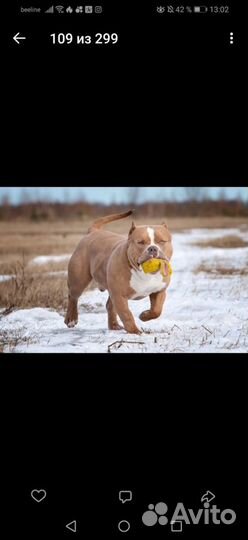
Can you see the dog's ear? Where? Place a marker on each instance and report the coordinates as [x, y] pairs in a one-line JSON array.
[[133, 227], [165, 225]]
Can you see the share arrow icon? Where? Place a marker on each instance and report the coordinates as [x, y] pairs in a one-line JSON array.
[[72, 526], [208, 497]]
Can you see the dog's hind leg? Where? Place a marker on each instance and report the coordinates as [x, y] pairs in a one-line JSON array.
[[79, 278], [112, 316]]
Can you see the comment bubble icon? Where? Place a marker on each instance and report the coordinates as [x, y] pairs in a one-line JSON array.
[[125, 496]]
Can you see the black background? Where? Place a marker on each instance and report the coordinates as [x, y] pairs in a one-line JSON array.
[[167, 106], [167, 427]]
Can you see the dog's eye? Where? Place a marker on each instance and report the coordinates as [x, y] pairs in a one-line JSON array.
[[142, 242], [163, 241]]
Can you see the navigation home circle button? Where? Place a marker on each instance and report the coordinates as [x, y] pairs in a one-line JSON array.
[[124, 526]]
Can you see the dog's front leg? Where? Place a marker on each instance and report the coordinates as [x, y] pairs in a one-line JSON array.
[[121, 306], [157, 302]]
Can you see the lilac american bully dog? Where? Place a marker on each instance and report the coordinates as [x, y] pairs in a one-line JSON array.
[[115, 263]]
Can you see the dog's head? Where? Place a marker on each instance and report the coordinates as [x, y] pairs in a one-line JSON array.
[[145, 243]]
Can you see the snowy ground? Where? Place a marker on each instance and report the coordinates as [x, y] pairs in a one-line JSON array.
[[203, 313]]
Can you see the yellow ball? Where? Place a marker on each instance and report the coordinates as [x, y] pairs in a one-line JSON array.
[[170, 269], [153, 265]]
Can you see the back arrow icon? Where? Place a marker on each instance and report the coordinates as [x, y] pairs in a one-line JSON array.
[[72, 526], [17, 37]]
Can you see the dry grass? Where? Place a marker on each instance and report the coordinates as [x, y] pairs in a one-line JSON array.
[[11, 267], [35, 287], [225, 242], [218, 270], [12, 341], [27, 289]]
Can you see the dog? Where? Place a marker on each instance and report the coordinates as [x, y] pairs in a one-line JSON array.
[[115, 264]]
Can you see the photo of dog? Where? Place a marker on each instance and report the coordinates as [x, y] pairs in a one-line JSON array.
[[119, 270]]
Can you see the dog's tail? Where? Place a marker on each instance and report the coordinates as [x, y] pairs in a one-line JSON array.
[[98, 224]]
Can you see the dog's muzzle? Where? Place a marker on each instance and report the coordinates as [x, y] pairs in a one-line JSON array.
[[152, 252]]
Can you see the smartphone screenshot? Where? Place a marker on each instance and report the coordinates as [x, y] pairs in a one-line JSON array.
[[123, 269]]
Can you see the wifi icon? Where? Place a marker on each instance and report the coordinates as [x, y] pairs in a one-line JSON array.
[[60, 9]]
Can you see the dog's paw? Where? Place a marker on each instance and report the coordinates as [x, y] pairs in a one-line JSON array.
[[71, 324], [145, 315], [134, 330], [116, 326]]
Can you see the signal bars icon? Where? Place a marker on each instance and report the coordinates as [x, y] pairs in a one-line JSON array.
[[59, 9]]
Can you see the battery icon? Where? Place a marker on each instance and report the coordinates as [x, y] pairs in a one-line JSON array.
[[200, 9]]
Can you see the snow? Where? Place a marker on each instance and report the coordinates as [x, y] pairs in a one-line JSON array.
[[44, 259], [6, 277], [203, 312]]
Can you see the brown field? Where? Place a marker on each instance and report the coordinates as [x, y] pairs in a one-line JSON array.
[[220, 270], [31, 285], [58, 237], [224, 242]]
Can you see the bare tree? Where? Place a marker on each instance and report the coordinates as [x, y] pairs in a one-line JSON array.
[[222, 194], [195, 193], [5, 201], [133, 195], [25, 196]]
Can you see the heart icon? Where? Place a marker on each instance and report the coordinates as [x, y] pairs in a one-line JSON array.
[[38, 495]]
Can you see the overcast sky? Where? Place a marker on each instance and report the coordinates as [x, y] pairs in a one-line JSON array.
[[108, 195]]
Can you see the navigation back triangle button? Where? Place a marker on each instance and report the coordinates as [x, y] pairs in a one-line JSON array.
[[72, 526]]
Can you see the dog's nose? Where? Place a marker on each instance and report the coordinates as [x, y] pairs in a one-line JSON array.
[[153, 251]]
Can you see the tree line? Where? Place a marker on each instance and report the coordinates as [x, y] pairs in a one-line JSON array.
[[44, 210]]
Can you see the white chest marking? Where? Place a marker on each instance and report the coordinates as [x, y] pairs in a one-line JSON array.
[[145, 284]]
